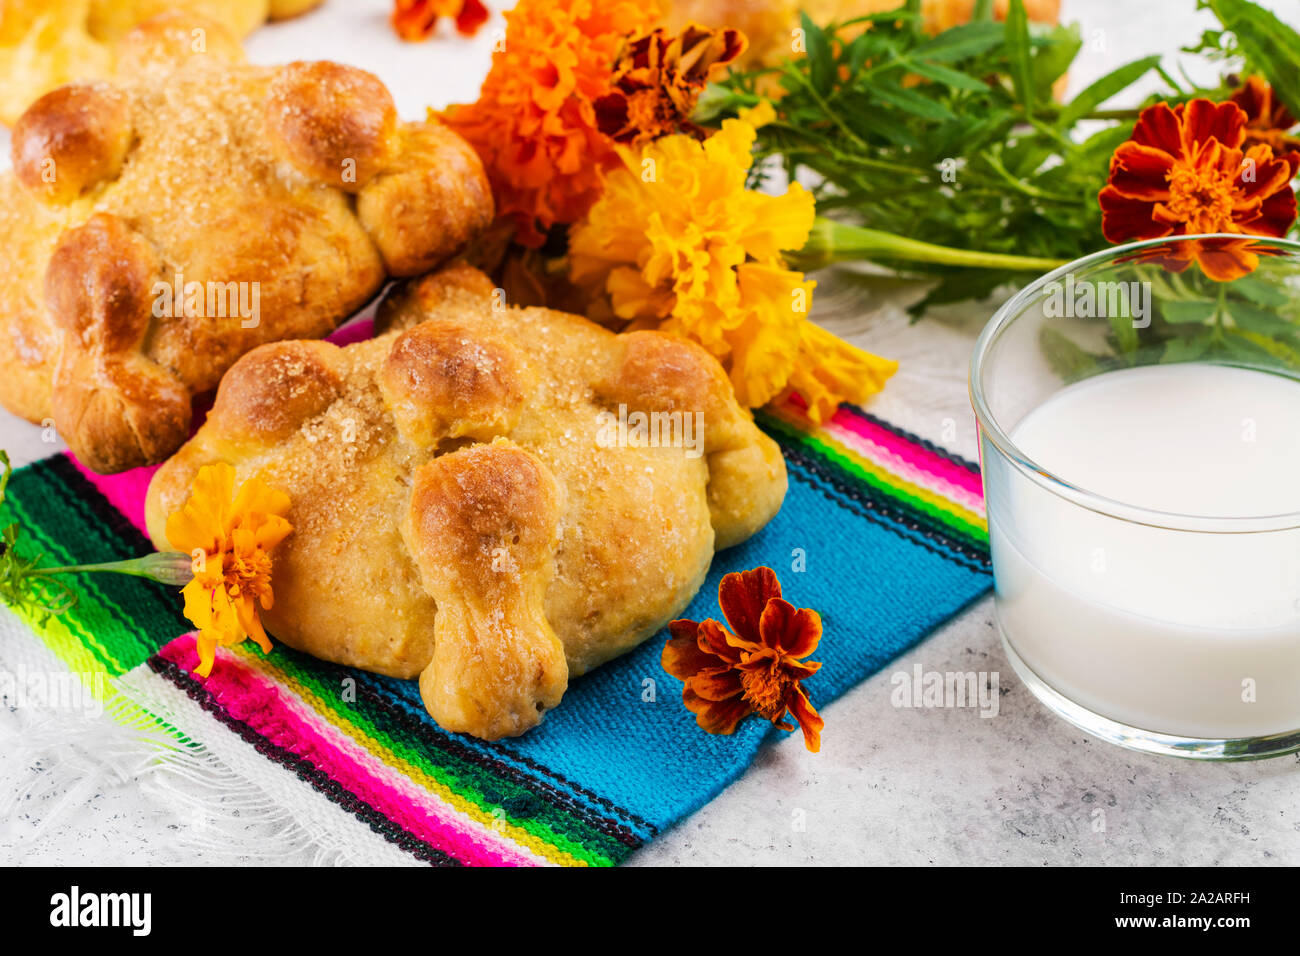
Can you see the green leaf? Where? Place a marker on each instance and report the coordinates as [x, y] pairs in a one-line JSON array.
[[1269, 42], [961, 42], [1255, 319], [1053, 59], [948, 77], [1115, 81], [1186, 311], [1264, 293], [1018, 52], [1100, 146], [884, 16], [910, 101], [1184, 350], [1262, 343], [1066, 358], [862, 116], [983, 11], [859, 50], [1126, 336], [821, 68], [913, 8]]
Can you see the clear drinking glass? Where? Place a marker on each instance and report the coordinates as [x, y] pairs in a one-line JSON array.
[[1162, 631]]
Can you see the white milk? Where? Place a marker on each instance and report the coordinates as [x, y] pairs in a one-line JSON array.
[[1186, 633]]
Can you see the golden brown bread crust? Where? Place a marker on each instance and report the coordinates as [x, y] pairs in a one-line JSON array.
[[461, 513], [483, 526], [247, 412], [427, 210], [441, 380], [121, 405], [70, 140], [229, 198], [332, 123]]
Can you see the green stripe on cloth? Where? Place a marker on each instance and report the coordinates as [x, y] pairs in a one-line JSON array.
[[121, 620], [487, 790]]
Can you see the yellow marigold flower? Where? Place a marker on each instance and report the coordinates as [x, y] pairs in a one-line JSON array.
[[677, 242], [233, 575], [759, 115]]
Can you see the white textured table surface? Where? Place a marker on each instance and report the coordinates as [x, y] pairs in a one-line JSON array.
[[891, 786]]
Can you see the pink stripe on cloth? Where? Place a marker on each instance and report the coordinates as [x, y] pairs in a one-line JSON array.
[[904, 468], [260, 703], [910, 452], [125, 491]]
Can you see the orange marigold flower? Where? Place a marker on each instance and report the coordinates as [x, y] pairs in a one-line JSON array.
[[1184, 172], [534, 123], [756, 667], [659, 79], [1268, 121], [231, 540], [416, 19]]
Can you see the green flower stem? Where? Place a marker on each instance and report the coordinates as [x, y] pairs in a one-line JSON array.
[[165, 567], [832, 241]]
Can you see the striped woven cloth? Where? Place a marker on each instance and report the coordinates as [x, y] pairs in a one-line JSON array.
[[881, 532]]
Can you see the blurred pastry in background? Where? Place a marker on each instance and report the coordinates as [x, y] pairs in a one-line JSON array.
[[47, 43]]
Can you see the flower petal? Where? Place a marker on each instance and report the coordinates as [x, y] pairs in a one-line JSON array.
[[1268, 174], [717, 684], [207, 648], [682, 656], [1124, 219], [742, 597], [1226, 259], [794, 631], [251, 623], [1205, 120], [810, 721], [1254, 98], [256, 497], [717, 640], [1158, 126], [1141, 172], [204, 518], [1276, 214], [717, 717]]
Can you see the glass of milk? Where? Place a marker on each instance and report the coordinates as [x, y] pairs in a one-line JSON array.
[[1140, 442]]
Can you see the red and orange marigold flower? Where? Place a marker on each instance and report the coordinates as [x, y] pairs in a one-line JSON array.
[[416, 19], [1184, 172], [1268, 121], [756, 667], [658, 80]]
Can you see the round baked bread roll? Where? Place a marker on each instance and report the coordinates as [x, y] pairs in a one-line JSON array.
[[157, 229], [473, 502]]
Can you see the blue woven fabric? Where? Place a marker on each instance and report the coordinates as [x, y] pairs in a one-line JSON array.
[[879, 590]]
